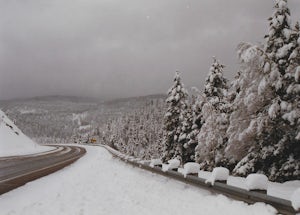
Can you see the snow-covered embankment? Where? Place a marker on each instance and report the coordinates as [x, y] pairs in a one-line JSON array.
[[14, 142]]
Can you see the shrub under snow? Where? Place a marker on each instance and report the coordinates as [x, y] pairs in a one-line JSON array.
[[257, 182], [155, 162], [295, 199], [172, 164], [190, 168], [218, 174]]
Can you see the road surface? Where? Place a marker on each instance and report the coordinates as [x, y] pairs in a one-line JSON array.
[[18, 170]]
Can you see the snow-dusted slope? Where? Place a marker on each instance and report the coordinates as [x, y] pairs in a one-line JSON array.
[[100, 184], [13, 141]]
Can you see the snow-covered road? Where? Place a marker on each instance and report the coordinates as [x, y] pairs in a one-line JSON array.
[[100, 184]]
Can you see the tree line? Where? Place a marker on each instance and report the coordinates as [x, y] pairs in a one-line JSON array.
[[250, 124]]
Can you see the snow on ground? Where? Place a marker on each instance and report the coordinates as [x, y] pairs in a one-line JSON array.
[[295, 199], [14, 142], [284, 190], [100, 184]]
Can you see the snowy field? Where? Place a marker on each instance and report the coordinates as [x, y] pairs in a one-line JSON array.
[[100, 184]]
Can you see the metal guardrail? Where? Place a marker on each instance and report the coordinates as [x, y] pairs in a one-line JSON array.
[[283, 206]]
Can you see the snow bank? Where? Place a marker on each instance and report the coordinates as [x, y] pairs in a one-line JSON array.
[[155, 162], [100, 184], [295, 199], [14, 142], [172, 164], [236, 181], [283, 190], [257, 182], [190, 168], [218, 174]]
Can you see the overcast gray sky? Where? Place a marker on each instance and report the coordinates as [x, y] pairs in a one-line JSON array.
[[117, 48]]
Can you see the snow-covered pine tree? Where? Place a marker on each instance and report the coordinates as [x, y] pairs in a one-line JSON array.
[[281, 45], [279, 155], [197, 122], [277, 149], [212, 136], [216, 85], [284, 116], [279, 40], [186, 122], [176, 101]]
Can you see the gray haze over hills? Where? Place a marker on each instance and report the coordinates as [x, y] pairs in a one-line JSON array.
[[111, 49]]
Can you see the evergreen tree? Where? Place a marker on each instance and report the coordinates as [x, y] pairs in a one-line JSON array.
[[216, 85], [192, 137], [277, 148], [176, 101], [279, 44], [212, 136], [284, 116], [186, 121]]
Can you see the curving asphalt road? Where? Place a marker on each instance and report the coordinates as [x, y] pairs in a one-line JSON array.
[[18, 170]]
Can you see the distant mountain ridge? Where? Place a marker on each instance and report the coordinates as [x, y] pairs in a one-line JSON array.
[[59, 119], [83, 99]]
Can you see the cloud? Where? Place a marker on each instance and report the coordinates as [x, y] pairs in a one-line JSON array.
[[116, 48]]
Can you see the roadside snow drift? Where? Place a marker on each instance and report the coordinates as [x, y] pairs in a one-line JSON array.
[[14, 142], [218, 174], [257, 182], [100, 184], [190, 168], [172, 164]]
